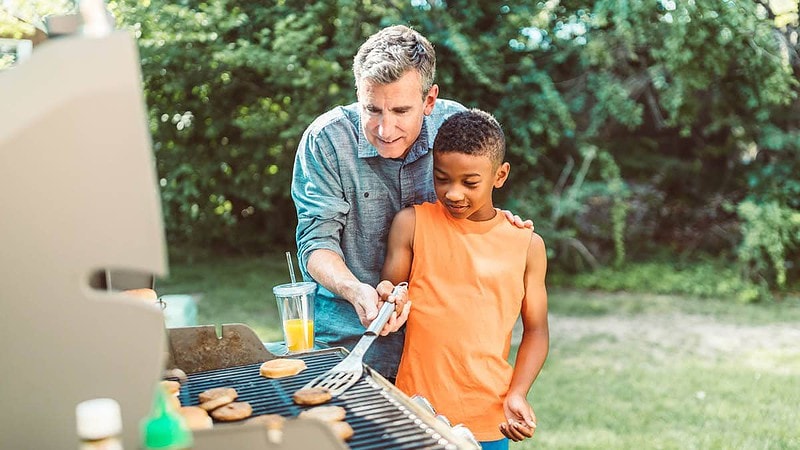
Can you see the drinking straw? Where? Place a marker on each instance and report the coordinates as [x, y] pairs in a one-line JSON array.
[[291, 266], [304, 311]]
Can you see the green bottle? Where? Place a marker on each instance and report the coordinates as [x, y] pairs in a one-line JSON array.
[[165, 428]]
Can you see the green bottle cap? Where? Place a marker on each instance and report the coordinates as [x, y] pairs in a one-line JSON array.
[[165, 428]]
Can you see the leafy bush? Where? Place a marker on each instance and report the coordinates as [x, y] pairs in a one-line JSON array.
[[573, 241], [771, 239]]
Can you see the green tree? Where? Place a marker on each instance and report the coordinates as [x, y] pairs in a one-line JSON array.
[[692, 102], [633, 127], [230, 86]]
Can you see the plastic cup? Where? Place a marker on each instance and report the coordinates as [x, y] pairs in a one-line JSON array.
[[296, 307]]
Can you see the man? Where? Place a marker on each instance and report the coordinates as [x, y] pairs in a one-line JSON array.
[[356, 167]]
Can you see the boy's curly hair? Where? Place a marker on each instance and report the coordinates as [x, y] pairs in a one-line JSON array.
[[473, 132]]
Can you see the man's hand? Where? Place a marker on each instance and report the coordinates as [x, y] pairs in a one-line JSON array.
[[401, 310], [516, 220], [365, 301]]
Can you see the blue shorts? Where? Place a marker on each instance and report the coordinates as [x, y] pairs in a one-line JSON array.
[[500, 444]]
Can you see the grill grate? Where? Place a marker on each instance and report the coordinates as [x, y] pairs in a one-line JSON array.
[[378, 420]]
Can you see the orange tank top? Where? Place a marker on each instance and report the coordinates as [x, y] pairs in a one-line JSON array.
[[466, 286]]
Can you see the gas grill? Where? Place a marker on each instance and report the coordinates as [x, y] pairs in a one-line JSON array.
[[382, 417]]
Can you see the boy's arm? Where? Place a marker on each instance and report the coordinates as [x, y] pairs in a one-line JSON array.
[[535, 342], [399, 250], [397, 266]]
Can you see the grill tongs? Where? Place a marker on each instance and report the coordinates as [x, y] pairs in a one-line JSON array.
[[345, 374]]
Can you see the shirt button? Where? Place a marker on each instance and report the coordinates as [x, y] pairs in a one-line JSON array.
[[366, 194]]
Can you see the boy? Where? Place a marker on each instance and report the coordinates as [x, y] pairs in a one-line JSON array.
[[471, 274]]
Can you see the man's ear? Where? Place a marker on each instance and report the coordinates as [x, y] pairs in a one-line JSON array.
[[501, 175], [430, 100]]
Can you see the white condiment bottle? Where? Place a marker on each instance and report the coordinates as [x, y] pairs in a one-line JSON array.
[[99, 424]]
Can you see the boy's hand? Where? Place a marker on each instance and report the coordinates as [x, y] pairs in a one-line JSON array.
[[520, 420], [516, 220], [401, 310]]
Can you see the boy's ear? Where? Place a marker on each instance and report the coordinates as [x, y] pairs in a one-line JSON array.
[[501, 175]]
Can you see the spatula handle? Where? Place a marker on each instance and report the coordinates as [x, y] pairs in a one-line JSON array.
[[385, 312]]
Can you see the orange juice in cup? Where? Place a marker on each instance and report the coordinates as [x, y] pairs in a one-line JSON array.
[[296, 307], [298, 337]]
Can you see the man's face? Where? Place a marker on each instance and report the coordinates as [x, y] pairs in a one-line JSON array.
[[392, 114], [464, 184]]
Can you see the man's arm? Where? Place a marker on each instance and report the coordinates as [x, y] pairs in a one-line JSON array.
[[329, 270], [534, 346], [318, 195]]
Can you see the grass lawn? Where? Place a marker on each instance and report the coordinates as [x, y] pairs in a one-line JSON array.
[[625, 371]]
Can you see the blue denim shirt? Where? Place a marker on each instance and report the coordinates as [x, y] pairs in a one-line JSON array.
[[346, 196]]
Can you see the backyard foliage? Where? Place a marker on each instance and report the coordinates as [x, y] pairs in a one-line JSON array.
[[634, 128]]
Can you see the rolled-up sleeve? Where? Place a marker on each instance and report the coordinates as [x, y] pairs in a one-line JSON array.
[[318, 195]]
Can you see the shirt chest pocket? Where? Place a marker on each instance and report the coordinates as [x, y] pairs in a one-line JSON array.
[[371, 212]]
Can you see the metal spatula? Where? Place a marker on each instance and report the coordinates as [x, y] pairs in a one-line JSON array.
[[345, 374]]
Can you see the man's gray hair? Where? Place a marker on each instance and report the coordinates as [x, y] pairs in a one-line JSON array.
[[388, 54]]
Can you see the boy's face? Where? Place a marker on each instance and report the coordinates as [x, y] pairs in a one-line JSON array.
[[391, 114], [464, 184]]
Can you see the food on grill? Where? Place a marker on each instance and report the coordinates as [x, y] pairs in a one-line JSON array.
[[271, 421], [341, 429], [175, 373], [144, 293], [274, 424], [311, 396], [282, 367], [217, 402], [174, 401], [232, 411], [171, 387], [196, 418], [329, 413], [214, 393]]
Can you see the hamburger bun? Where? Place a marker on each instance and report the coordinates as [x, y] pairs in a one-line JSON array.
[[196, 418], [282, 367]]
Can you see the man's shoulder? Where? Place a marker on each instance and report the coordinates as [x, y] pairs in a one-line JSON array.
[[445, 108], [338, 119]]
